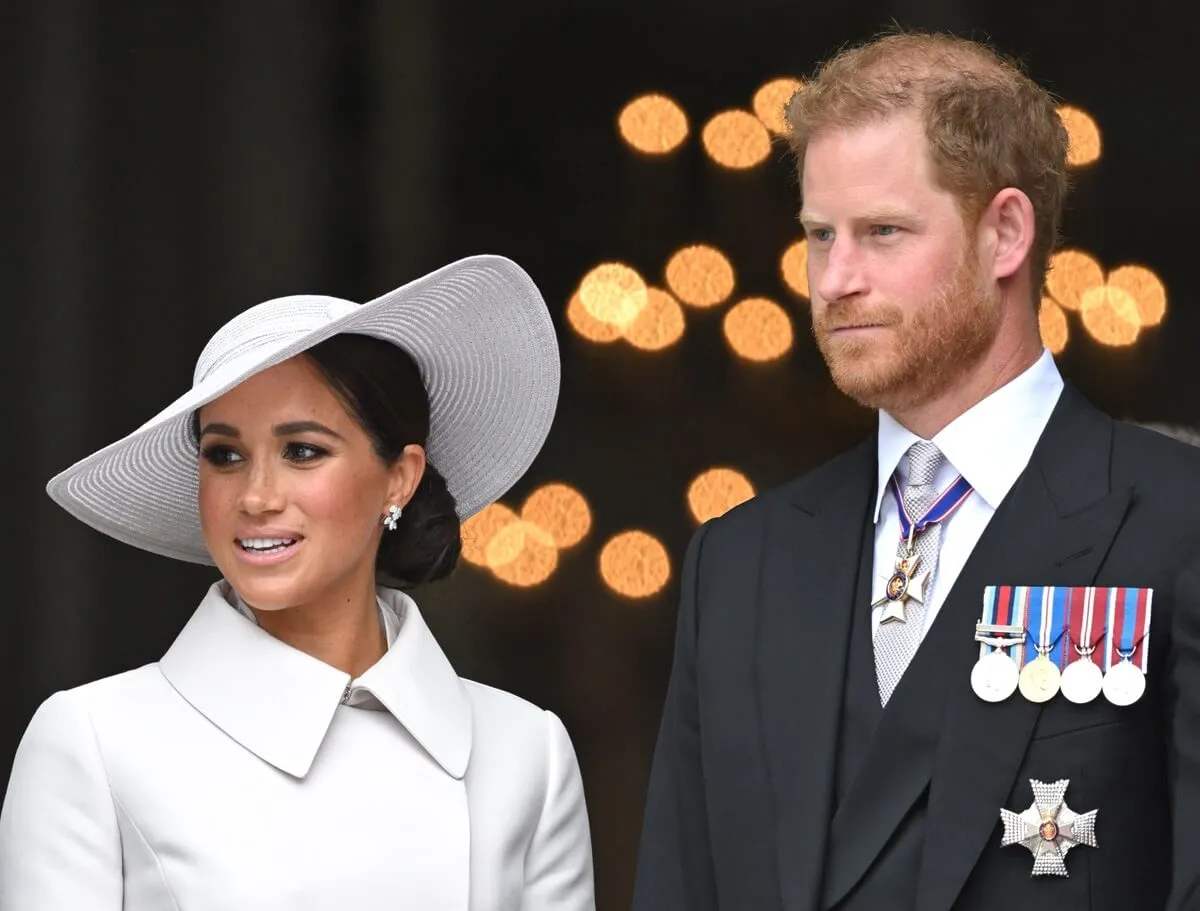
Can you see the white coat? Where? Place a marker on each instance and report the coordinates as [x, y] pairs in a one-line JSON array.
[[236, 774]]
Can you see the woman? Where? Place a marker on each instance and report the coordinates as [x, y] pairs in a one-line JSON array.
[[304, 744]]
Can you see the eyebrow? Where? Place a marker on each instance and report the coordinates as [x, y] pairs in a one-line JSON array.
[[290, 428], [875, 216]]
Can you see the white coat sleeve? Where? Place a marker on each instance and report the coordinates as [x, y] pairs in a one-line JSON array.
[[558, 865], [60, 846]]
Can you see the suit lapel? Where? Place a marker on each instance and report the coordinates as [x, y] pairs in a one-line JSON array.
[[809, 579], [1057, 530], [1054, 527]]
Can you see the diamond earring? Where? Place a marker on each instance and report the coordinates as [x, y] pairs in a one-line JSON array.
[[392, 517]]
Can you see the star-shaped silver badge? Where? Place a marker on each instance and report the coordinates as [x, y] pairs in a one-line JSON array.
[[1049, 828], [903, 585]]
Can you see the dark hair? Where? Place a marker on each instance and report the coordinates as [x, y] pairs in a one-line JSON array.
[[382, 389]]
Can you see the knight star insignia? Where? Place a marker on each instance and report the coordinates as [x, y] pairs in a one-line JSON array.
[[1049, 828], [903, 584]]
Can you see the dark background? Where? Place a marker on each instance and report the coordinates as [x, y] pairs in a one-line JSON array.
[[168, 164]]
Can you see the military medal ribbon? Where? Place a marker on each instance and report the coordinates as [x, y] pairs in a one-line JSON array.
[[1127, 651]]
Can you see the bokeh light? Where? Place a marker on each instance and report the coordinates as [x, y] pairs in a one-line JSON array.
[[793, 265], [700, 276], [522, 554], [653, 124], [613, 293], [659, 325], [1053, 323], [1146, 289], [717, 491], [561, 510], [1110, 316], [635, 564], [479, 530], [736, 139], [771, 101], [588, 326], [1083, 136], [1072, 274], [758, 329]]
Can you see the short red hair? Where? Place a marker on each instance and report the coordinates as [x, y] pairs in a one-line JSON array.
[[988, 125]]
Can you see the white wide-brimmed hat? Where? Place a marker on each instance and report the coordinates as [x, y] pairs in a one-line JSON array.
[[479, 331]]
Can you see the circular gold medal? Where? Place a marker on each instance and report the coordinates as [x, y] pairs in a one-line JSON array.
[[994, 677], [1040, 679], [1082, 681], [1124, 683]]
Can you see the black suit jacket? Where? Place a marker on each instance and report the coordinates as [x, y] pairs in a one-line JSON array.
[[740, 813]]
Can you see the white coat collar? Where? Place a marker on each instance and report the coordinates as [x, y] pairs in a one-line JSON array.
[[278, 702]]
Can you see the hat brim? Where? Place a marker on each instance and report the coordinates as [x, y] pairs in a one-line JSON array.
[[478, 330]]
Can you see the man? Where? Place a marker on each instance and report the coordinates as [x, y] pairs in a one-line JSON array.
[[827, 740]]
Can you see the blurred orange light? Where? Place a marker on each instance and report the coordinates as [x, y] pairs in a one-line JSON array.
[[635, 564], [1072, 273], [1110, 316], [717, 491], [700, 275], [613, 293], [1145, 288], [561, 510], [1083, 136], [758, 329], [653, 124], [587, 325], [771, 101], [522, 554], [794, 267], [736, 139], [1053, 323], [479, 530], [659, 325]]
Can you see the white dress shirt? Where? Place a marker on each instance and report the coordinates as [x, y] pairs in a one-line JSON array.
[[233, 775], [989, 444]]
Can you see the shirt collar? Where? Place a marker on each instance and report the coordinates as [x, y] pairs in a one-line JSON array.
[[388, 618], [279, 702], [990, 443]]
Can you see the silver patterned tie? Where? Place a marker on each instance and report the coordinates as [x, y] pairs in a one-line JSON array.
[[896, 643]]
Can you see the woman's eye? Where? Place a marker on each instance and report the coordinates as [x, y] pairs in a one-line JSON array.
[[303, 452], [220, 456]]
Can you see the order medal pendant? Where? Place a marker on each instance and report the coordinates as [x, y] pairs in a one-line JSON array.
[[1082, 681], [1124, 683], [903, 584], [1040, 679], [995, 677]]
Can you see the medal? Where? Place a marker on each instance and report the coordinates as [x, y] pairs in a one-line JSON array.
[[903, 584], [1040, 678], [1128, 635], [1046, 611], [995, 677], [1083, 680], [1049, 828], [906, 583], [1124, 683]]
